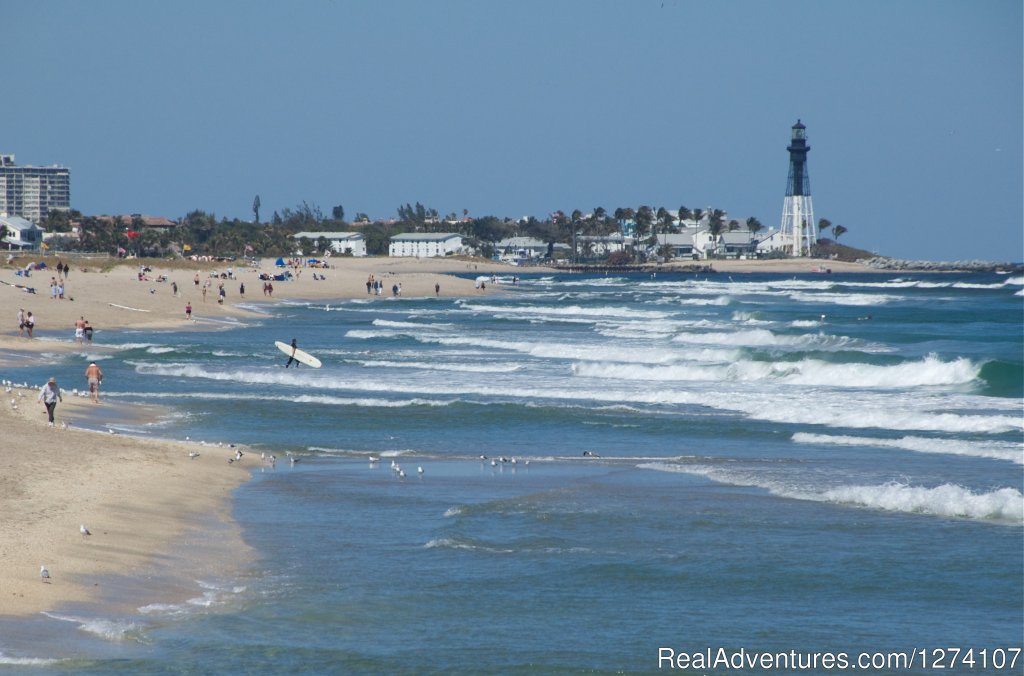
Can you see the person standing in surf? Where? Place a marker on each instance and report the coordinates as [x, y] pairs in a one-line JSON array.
[[94, 376], [292, 357]]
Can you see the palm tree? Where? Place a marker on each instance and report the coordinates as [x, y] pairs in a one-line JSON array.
[[837, 230], [684, 214], [754, 225], [644, 219], [697, 214]]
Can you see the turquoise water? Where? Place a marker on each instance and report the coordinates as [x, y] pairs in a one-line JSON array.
[[812, 463]]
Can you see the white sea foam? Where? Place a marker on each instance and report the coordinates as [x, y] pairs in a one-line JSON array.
[[452, 511], [1004, 504], [111, 630], [327, 400], [451, 543], [566, 311], [1016, 281], [971, 285], [160, 350], [765, 338], [134, 346], [949, 500], [26, 661], [213, 595], [1000, 450], [844, 298], [442, 366], [411, 325], [720, 300], [930, 371], [805, 323], [887, 418]]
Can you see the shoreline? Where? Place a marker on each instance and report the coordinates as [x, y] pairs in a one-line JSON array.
[[139, 497]]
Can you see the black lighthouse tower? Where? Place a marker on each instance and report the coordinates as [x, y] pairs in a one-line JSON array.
[[798, 226]]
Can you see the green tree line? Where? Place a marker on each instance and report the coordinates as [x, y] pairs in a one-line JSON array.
[[201, 233]]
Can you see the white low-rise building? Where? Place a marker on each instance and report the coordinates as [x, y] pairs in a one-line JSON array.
[[20, 233], [602, 245], [425, 244], [775, 240], [520, 250], [350, 243]]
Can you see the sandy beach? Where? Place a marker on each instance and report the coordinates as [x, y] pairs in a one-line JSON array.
[[141, 498]]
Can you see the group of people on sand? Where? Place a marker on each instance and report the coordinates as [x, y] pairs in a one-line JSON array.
[[51, 393]]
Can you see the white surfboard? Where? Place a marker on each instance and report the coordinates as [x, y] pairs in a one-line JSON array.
[[304, 357]]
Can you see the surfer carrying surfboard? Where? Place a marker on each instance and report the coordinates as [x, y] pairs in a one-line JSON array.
[[292, 357]]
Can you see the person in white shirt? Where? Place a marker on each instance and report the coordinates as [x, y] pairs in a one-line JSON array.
[[49, 395]]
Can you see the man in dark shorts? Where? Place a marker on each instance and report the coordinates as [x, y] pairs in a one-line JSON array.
[[292, 357]]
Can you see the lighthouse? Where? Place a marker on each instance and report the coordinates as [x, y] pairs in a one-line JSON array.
[[799, 230]]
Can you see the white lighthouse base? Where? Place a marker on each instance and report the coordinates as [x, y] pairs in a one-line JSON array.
[[798, 227]]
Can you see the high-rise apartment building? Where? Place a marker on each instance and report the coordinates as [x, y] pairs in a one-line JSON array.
[[31, 192]]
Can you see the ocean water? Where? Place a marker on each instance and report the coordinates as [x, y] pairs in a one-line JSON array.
[[612, 465]]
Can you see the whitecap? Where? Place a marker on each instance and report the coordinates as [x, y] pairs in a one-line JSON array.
[[112, 630], [26, 661], [948, 500], [1000, 450]]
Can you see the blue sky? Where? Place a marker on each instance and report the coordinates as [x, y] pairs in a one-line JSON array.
[[521, 107]]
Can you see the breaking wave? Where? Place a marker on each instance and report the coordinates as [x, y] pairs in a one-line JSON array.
[[931, 371], [948, 500], [1000, 450]]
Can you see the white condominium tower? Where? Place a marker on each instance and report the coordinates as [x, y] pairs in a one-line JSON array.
[[31, 192]]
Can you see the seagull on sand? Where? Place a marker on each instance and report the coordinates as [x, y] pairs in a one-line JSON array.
[[419, 470], [193, 455], [44, 574], [83, 530]]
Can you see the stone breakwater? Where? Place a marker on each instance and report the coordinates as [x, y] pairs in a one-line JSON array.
[[882, 263]]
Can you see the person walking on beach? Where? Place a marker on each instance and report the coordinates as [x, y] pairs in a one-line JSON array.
[[174, 289], [292, 357], [241, 290], [437, 289], [188, 310], [21, 322], [87, 329], [94, 376], [49, 395], [30, 324], [80, 330]]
